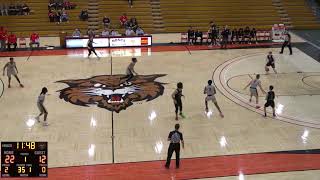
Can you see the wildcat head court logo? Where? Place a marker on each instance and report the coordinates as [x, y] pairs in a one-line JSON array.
[[111, 92]]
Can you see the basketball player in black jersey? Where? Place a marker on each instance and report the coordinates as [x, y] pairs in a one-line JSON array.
[[176, 96], [270, 62], [270, 102], [91, 48]]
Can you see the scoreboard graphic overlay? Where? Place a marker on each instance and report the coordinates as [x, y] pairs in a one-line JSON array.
[[24, 159]]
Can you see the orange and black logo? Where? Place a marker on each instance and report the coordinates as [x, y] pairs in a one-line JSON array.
[[111, 92]]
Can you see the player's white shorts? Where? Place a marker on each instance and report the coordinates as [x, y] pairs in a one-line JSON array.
[[211, 98], [254, 91]]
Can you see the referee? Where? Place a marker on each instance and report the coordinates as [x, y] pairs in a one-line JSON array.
[[287, 42], [91, 48], [174, 137]]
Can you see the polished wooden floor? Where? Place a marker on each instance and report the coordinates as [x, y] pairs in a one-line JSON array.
[[79, 135]]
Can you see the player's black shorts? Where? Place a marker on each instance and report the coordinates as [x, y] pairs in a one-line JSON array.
[[269, 103], [271, 64]]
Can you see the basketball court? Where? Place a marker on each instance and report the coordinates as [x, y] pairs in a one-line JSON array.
[[86, 134]]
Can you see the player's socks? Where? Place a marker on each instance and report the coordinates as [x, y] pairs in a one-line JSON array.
[[38, 119], [45, 123]]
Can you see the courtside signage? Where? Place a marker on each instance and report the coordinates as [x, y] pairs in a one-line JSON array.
[[109, 42]]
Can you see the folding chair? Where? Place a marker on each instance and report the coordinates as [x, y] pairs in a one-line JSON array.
[[22, 42], [205, 37], [184, 37]]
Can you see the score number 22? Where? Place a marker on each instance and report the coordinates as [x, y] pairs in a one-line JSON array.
[[9, 159]]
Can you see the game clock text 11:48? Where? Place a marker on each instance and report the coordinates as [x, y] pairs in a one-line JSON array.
[[24, 159]]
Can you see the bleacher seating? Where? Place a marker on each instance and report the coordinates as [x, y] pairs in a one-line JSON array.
[[115, 8], [179, 14], [38, 20], [300, 14]]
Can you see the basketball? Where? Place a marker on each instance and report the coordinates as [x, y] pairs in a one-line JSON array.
[[267, 69]]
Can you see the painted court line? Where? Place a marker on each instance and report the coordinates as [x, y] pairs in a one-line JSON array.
[[191, 168]]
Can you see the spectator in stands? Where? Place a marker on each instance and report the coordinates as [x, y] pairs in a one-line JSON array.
[[130, 3], [253, 35], [12, 9], [12, 41], [139, 31], [134, 23], [66, 4], [76, 33], [191, 36], [19, 10], [72, 5], [106, 21], [225, 37], [64, 16], [4, 9], [129, 32], [59, 4], [34, 39], [123, 20], [198, 36], [58, 16], [114, 33], [105, 32], [84, 15], [3, 38], [51, 4], [234, 35], [51, 16], [25, 9]]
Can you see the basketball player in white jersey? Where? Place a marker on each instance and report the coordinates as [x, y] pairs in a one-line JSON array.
[[11, 70], [42, 108], [210, 91], [130, 71], [254, 83], [270, 62]]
